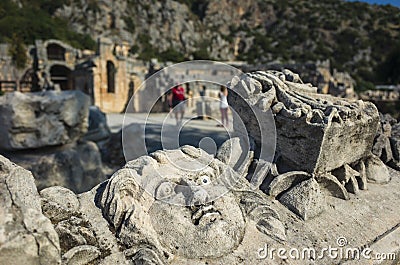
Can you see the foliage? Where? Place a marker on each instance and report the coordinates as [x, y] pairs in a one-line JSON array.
[[147, 50], [362, 85], [17, 51], [33, 21], [171, 55], [201, 52], [389, 70]]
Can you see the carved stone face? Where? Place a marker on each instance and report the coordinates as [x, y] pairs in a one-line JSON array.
[[193, 214], [192, 224]]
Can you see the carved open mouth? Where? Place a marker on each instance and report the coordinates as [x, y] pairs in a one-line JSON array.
[[205, 215]]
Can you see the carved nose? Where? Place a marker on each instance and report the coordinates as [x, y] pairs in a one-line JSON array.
[[200, 196]]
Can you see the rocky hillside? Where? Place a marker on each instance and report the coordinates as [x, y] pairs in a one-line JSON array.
[[357, 37]]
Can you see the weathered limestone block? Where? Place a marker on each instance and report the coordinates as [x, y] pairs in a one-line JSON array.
[[26, 235], [59, 203], [376, 170], [305, 199], [34, 120], [315, 133], [76, 167]]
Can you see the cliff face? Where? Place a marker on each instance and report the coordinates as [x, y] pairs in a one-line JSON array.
[[355, 36]]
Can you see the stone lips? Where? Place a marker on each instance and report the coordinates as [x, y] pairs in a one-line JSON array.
[[42, 119], [315, 133]]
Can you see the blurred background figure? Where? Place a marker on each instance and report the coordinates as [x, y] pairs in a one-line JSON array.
[[177, 102], [189, 94], [223, 106], [203, 92]]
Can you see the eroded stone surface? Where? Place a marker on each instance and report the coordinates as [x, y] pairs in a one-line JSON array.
[[376, 170], [198, 231], [315, 133], [305, 199], [34, 120], [236, 152], [332, 186], [26, 235], [77, 167]]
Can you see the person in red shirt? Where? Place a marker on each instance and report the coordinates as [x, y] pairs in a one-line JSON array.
[[177, 102]]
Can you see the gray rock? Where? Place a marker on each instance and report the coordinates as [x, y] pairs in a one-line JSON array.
[[75, 231], [285, 181], [332, 186], [395, 130], [59, 203], [112, 152], [347, 177], [305, 199], [236, 153], [376, 170], [395, 145], [26, 235], [62, 118], [382, 148], [98, 129], [76, 167]]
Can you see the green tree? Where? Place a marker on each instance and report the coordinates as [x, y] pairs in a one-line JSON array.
[[17, 51], [389, 70]]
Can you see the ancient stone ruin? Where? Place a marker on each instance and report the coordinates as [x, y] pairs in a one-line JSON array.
[[322, 141], [185, 206], [47, 133]]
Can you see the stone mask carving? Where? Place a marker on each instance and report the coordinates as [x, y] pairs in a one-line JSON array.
[[161, 208]]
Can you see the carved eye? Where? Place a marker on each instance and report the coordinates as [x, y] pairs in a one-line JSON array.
[[205, 180], [165, 190]]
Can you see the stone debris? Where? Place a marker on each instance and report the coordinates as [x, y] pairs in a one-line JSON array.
[[305, 199], [35, 120], [362, 178], [44, 133], [387, 141], [285, 181], [347, 177], [26, 235], [376, 171], [332, 186], [81, 255]]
